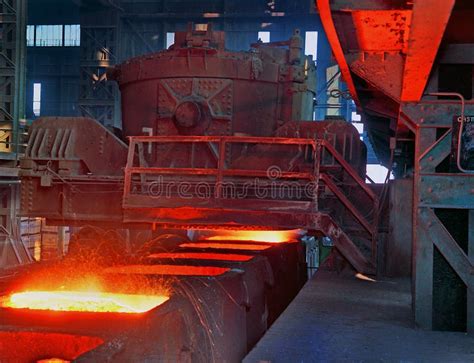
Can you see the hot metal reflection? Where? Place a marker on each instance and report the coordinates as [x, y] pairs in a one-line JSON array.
[[255, 236]]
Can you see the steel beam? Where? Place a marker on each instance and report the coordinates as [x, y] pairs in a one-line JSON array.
[[422, 250], [431, 114], [446, 244], [12, 73], [20, 72], [436, 190], [381, 70], [437, 153], [348, 5], [470, 290], [429, 21], [99, 99], [422, 285], [455, 191], [331, 33]]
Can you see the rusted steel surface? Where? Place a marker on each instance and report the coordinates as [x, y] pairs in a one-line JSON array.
[[286, 261], [257, 277], [398, 53], [428, 25], [386, 52], [71, 146], [435, 187], [324, 8], [198, 88]]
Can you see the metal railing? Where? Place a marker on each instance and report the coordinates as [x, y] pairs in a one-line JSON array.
[[356, 197]]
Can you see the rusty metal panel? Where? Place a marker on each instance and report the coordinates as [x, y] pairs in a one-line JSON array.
[[429, 21], [73, 146], [447, 191], [198, 88], [382, 30]]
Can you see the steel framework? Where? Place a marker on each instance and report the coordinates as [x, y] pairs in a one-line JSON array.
[[391, 70], [12, 99], [12, 74], [99, 50], [434, 190], [247, 207]]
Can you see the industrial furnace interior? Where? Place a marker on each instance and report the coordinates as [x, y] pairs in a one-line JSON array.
[[200, 185]]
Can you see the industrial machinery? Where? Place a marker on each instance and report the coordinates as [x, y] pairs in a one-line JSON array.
[[225, 147], [212, 142]]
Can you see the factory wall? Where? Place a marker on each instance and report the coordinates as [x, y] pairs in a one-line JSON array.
[[144, 35], [56, 68]]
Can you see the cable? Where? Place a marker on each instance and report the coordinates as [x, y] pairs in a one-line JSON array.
[[461, 127]]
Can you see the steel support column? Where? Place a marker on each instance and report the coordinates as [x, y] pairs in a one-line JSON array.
[[470, 292], [99, 99], [12, 250], [422, 247], [12, 74], [12, 109], [432, 123]]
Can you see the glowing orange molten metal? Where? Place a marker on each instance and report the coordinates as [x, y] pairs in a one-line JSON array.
[[82, 301], [225, 246], [177, 270], [255, 236], [202, 256]]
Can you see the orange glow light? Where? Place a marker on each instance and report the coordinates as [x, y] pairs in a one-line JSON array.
[[178, 270], [42, 347], [82, 301], [226, 246], [255, 236], [202, 256]]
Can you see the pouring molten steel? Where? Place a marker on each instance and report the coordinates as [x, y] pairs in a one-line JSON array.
[[255, 236], [82, 301]]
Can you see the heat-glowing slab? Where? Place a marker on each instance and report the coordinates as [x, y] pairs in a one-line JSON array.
[[30, 346], [226, 246], [177, 270], [255, 236], [82, 301], [202, 256]]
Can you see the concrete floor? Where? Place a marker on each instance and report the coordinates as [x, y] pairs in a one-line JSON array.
[[337, 318]]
